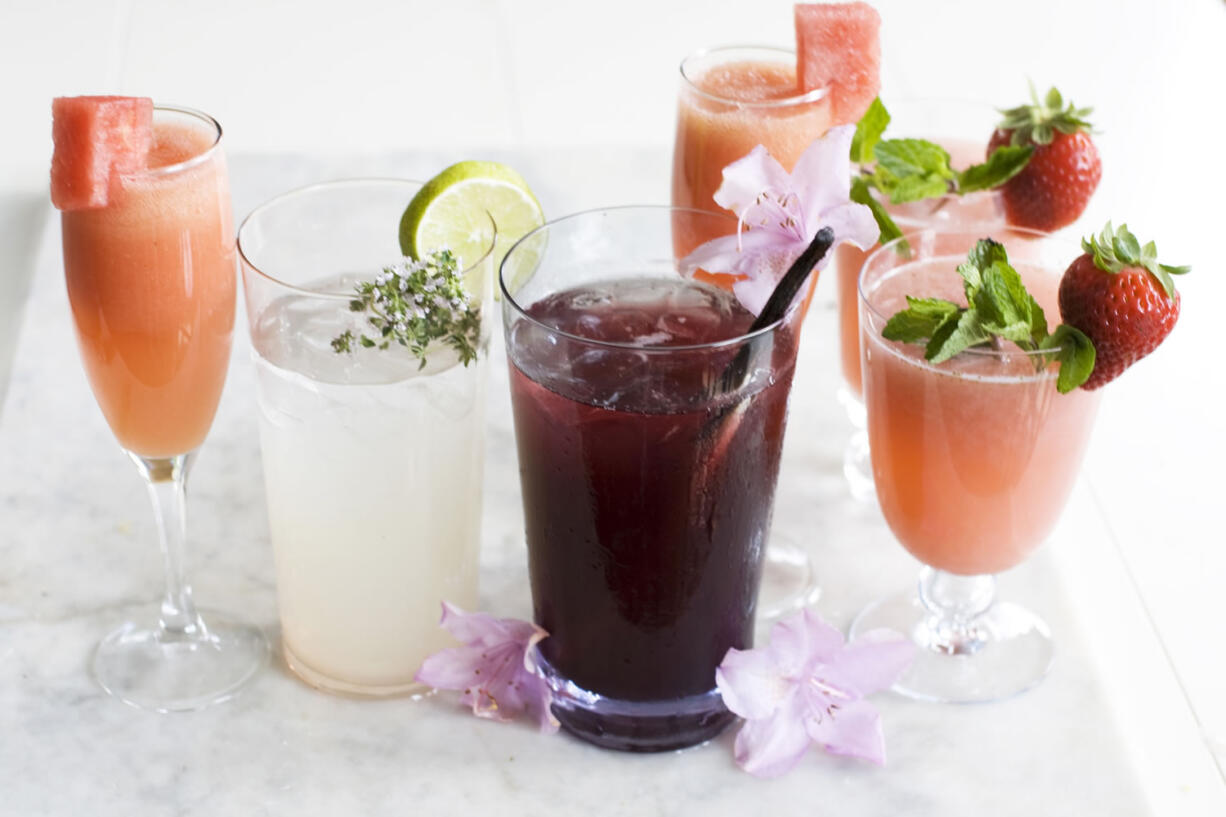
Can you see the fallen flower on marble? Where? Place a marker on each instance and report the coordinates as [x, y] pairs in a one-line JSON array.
[[806, 687], [493, 668], [779, 214]]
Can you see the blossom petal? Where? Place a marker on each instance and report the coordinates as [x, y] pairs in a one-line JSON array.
[[750, 684], [763, 271], [851, 222], [736, 254], [853, 730], [493, 668], [482, 628], [822, 174], [874, 661], [802, 640], [770, 747], [747, 177], [452, 668]]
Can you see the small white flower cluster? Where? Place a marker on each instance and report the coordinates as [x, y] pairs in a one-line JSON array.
[[414, 303]]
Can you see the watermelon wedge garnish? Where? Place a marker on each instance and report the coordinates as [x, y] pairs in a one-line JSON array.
[[838, 47], [97, 138]]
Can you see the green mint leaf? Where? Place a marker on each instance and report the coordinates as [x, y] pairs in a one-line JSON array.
[[914, 188], [984, 254], [1004, 305], [967, 332], [868, 132], [1038, 321], [913, 157], [922, 319], [1004, 163], [1076, 356], [861, 193]]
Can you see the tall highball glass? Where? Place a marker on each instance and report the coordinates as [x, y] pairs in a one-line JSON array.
[[372, 462]]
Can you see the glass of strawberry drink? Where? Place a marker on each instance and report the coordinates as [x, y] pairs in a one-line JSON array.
[[961, 129], [150, 266], [973, 459], [648, 475]]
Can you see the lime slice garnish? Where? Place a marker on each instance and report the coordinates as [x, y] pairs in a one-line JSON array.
[[450, 211]]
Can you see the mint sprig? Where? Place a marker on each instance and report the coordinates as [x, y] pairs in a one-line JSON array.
[[998, 309], [906, 170], [414, 304], [1116, 250]]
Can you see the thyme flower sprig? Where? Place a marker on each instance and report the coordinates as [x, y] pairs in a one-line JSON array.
[[415, 303]]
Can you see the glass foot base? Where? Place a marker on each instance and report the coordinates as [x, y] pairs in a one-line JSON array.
[[789, 581], [635, 726], [153, 670], [1011, 652], [337, 686]]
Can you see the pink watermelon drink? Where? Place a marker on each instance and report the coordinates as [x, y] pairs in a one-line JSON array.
[[149, 259], [647, 487], [973, 458], [733, 99], [149, 262]]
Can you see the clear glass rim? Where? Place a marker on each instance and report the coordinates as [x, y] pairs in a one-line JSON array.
[[511, 301], [986, 232], [324, 186], [201, 157], [815, 95]]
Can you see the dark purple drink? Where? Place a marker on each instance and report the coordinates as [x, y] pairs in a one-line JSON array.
[[647, 484]]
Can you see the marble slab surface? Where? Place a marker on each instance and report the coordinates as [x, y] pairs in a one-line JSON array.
[[77, 549]]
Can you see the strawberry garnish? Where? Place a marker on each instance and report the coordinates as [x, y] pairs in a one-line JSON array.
[[1122, 298], [1055, 186]]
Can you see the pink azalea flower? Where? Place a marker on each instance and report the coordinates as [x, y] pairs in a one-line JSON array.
[[493, 667], [779, 213], [809, 687]]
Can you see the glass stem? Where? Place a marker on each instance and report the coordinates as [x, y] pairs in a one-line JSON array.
[[954, 604], [166, 479]]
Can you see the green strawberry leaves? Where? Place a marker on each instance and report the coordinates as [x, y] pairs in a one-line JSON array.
[[1038, 122], [999, 309], [906, 170], [1117, 250]]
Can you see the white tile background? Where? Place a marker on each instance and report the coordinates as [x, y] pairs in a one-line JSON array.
[[462, 76]]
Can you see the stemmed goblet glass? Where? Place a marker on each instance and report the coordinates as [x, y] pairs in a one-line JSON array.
[[973, 460]]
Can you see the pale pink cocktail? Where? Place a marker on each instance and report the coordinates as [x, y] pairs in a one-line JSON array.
[[973, 460]]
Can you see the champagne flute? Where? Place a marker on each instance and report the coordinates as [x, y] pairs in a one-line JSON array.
[[151, 284]]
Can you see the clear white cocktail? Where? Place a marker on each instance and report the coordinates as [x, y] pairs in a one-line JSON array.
[[372, 462]]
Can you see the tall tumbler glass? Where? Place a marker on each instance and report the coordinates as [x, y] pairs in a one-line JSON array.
[[151, 284], [372, 464], [649, 426], [730, 100]]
